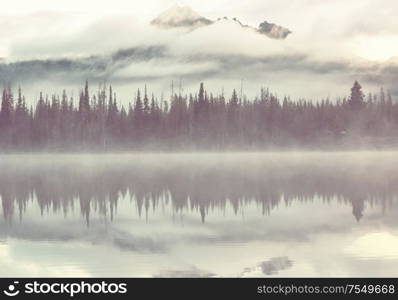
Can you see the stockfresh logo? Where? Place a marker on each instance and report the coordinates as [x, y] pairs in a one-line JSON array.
[[70, 289], [12, 289]]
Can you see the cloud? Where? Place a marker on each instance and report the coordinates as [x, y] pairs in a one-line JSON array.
[[77, 69], [161, 64], [221, 55]]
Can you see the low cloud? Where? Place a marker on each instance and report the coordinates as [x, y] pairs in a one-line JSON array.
[[158, 65]]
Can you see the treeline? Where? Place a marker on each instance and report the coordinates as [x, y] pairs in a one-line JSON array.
[[194, 121]]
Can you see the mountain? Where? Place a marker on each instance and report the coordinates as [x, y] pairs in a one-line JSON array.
[[186, 17], [180, 16], [269, 29], [273, 31]]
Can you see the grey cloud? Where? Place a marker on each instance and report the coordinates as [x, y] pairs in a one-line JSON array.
[[152, 58], [76, 69], [199, 22], [294, 62], [106, 66], [140, 53], [383, 75]]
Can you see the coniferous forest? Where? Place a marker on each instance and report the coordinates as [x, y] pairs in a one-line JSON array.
[[97, 121]]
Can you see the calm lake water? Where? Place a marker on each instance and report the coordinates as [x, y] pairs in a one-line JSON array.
[[188, 215]]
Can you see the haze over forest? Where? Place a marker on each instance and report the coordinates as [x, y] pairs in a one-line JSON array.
[[200, 121]]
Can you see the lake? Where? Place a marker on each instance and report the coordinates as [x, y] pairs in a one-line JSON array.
[[287, 214]]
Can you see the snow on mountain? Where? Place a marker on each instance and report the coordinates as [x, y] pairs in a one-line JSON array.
[[184, 16], [273, 30], [180, 16], [269, 29]]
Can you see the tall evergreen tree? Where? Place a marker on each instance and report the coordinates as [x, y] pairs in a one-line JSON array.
[[6, 109], [356, 99]]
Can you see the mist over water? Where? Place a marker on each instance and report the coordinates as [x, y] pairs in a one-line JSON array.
[[199, 214]]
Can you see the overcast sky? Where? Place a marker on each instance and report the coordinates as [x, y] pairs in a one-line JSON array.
[[332, 44]]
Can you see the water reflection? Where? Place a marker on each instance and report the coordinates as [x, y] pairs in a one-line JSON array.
[[98, 185], [191, 215]]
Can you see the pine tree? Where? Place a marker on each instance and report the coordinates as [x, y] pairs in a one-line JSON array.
[[6, 109], [356, 100], [146, 103], [84, 106], [232, 116]]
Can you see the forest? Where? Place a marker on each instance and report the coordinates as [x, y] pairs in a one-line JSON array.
[[200, 121]]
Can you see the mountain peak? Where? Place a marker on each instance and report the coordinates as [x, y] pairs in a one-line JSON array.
[[180, 16], [186, 17], [273, 30], [269, 29]]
